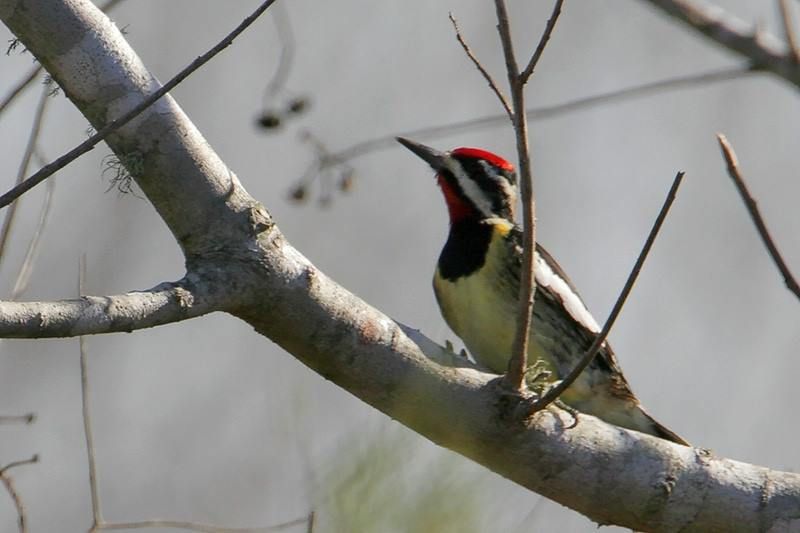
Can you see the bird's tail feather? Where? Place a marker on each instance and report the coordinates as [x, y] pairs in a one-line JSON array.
[[663, 432]]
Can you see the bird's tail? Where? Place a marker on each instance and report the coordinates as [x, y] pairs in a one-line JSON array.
[[663, 432], [627, 413], [642, 421]]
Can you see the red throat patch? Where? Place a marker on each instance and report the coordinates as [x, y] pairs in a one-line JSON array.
[[456, 206]]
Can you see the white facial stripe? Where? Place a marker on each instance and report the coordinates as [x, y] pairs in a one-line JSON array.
[[469, 187], [509, 190], [572, 303]]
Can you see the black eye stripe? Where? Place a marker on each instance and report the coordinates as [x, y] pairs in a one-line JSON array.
[[495, 182], [485, 173]]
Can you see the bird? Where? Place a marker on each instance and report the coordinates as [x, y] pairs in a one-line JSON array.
[[476, 283]]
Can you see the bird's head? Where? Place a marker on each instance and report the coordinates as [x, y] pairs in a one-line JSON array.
[[476, 184]]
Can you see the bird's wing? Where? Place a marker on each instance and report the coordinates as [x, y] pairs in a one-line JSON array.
[[557, 301]]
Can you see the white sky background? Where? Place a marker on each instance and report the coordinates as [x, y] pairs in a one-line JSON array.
[[207, 421]]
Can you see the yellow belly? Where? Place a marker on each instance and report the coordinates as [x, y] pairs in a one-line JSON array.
[[482, 308]]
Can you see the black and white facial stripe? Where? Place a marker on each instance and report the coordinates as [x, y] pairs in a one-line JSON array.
[[490, 189]]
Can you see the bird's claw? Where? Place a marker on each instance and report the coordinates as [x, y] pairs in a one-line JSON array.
[[452, 350]]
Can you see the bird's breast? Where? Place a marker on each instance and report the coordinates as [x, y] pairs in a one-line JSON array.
[[481, 307]]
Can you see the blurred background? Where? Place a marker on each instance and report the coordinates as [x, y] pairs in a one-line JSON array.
[[207, 421]]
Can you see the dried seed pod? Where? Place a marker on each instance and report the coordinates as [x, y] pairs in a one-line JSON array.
[[269, 120], [299, 193]]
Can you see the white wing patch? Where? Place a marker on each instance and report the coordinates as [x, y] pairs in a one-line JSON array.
[[571, 301]]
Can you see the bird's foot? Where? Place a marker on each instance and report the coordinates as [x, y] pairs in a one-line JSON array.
[[571, 410], [539, 377], [450, 348]]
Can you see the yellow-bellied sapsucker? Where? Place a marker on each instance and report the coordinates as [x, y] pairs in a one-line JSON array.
[[477, 286]]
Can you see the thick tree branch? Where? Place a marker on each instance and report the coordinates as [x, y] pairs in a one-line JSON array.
[[89, 315], [122, 116], [763, 50], [607, 473], [34, 72]]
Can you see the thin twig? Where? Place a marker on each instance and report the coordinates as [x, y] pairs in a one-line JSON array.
[[515, 374], [115, 124], [283, 26], [548, 31], [30, 148], [203, 528], [485, 73], [97, 515], [13, 464], [755, 214], [28, 418], [26, 269], [108, 6], [553, 393], [542, 113], [8, 482], [19, 88], [789, 30]]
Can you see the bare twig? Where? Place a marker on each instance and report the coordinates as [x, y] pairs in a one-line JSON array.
[[91, 142], [19, 88], [548, 31], [97, 516], [553, 393], [203, 528], [98, 524], [28, 418], [271, 116], [26, 269], [485, 73], [8, 482], [515, 375], [283, 26], [755, 214], [540, 113], [30, 148], [760, 48], [789, 30]]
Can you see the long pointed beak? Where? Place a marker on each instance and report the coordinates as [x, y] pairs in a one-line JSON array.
[[434, 158]]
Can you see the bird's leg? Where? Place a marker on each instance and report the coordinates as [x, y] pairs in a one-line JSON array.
[[571, 410], [538, 376], [450, 348]]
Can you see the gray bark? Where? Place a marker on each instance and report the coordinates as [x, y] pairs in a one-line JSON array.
[[239, 262]]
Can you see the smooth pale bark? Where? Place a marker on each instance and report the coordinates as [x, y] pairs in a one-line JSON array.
[[763, 50], [239, 262]]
